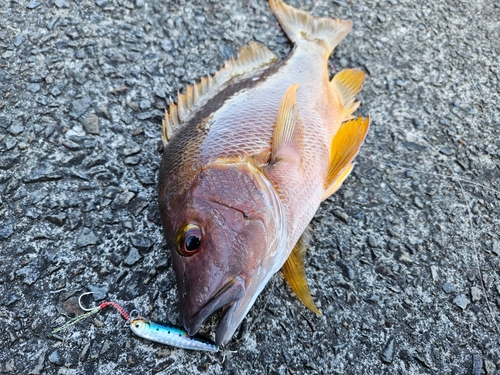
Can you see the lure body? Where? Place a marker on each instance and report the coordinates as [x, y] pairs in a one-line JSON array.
[[171, 335]]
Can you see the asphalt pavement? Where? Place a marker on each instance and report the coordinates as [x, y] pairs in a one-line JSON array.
[[405, 258]]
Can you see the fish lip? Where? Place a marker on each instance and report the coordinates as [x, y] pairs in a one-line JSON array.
[[228, 295]]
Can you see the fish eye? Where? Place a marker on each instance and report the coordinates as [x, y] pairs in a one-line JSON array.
[[188, 240]]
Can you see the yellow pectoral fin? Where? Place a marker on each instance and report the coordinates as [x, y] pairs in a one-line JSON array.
[[345, 146], [295, 274], [330, 190], [287, 136], [347, 84]]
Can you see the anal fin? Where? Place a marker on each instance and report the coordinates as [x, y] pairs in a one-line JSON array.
[[345, 146], [295, 274]]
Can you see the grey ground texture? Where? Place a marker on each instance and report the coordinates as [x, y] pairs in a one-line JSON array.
[[405, 258]]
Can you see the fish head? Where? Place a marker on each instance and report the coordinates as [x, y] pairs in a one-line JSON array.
[[226, 240]]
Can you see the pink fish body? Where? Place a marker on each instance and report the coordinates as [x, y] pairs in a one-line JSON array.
[[250, 153]]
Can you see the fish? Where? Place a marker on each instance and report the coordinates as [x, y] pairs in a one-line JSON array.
[[249, 155]]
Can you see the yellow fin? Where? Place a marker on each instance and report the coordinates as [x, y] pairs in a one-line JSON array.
[[250, 58], [347, 83], [298, 25], [295, 274], [337, 183], [345, 146], [288, 126]]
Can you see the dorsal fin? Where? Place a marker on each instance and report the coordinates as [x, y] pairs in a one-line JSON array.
[[347, 83], [345, 146], [250, 58], [294, 272], [287, 130]]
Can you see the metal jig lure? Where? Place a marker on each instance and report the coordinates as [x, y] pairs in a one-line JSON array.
[[166, 334], [170, 335]]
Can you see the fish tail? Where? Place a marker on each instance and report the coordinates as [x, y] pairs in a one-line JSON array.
[[299, 25]]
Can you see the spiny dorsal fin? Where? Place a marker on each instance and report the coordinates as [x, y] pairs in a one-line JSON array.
[[250, 58], [345, 146], [295, 273], [286, 136], [348, 83], [299, 25]]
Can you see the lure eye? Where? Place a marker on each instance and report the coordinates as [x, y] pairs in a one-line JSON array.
[[188, 240], [138, 324]]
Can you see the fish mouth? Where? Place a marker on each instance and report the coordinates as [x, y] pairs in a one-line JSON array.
[[227, 299]]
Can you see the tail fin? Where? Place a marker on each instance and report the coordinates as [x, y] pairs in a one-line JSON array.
[[298, 25]]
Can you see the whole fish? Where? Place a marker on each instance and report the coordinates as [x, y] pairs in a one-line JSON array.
[[250, 153]]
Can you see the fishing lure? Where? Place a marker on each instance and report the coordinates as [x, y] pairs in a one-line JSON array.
[[171, 335], [166, 334]]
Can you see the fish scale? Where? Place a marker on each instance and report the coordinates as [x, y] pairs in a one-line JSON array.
[[250, 153]]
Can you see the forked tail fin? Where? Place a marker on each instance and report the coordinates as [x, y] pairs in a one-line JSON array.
[[300, 25]]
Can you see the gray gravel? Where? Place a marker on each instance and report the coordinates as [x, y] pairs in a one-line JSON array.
[[394, 264]]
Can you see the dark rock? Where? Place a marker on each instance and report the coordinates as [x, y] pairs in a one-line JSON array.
[[122, 200], [461, 301], [87, 237], [141, 242], [43, 172], [342, 215], [347, 271], [79, 107], [372, 241], [32, 272], [137, 205], [414, 146], [34, 87], [8, 161], [133, 257], [61, 3], [477, 364], [56, 358], [448, 288], [16, 129], [101, 3], [99, 292], [11, 298], [56, 219], [131, 149], [6, 231], [33, 4], [387, 354], [91, 124]]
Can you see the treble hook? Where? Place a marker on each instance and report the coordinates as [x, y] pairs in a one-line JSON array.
[[80, 302]]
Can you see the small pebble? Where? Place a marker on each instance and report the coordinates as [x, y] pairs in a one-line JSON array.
[[55, 358], [388, 353], [62, 3], [33, 4], [418, 202], [461, 301], [372, 241], [489, 367], [476, 293], [91, 124], [87, 237], [477, 364], [448, 288], [133, 257]]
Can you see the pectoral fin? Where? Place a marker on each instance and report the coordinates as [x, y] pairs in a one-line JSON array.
[[295, 274], [345, 146], [347, 83], [287, 136]]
